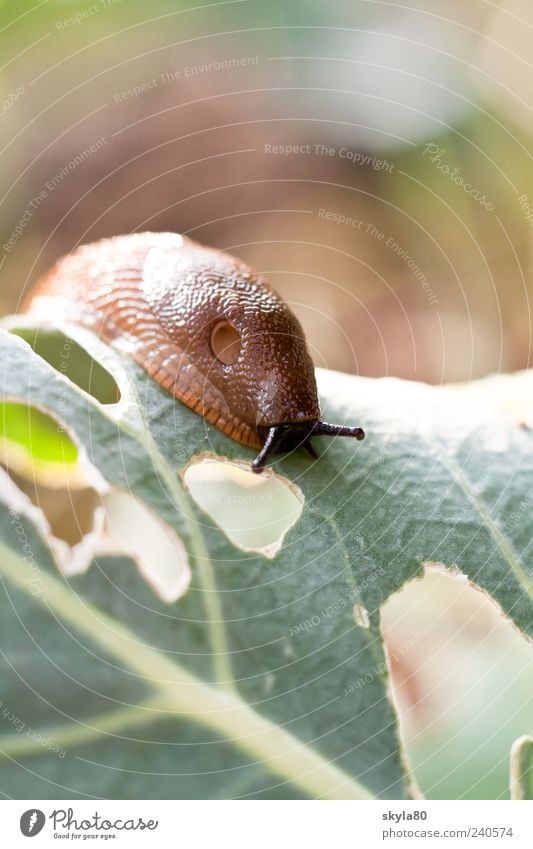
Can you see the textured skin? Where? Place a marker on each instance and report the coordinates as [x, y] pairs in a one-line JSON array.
[[158, 297]]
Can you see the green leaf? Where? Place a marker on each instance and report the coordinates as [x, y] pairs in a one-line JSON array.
[[522, 768], [36, 433], [268, 678], [71, 359]]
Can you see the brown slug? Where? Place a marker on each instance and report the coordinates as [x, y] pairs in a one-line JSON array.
[[204, 325]]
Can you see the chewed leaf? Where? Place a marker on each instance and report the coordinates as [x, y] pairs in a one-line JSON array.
[[70, 359], [463, 682], [254, 511], [71, 556], [156, 549], [36, 434], [47, 481], [254, 669]]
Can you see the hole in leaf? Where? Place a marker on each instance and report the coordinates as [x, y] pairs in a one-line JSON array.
[[71, 520], [132, 529], [71, 360], [68, 510], [462, 678], [254, 511], [35, 445], [360, 616], [226, 343], [36, 432], [80, 524]]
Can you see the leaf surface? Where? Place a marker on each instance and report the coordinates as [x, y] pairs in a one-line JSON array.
[[267, 678]]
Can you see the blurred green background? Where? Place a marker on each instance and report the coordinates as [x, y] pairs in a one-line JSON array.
[[374, 160]]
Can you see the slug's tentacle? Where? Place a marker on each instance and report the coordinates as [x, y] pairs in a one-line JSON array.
[[325, 429], [270, 444], [291, 436]]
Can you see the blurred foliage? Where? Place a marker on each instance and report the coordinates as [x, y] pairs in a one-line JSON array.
[[66, 356], [36, 433], [463, 684], [188, 154]]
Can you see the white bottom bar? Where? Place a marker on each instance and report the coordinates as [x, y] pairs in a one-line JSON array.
[[264, 824]]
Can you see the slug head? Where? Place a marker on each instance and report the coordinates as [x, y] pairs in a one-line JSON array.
[[245, 342], [237, 332]]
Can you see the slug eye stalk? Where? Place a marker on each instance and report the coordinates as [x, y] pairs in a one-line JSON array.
[[287, 437], [325, 429]]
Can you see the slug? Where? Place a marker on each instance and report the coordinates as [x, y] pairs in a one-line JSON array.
[[204, 325]]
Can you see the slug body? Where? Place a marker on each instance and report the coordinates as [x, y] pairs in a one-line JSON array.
[[204, 325]]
